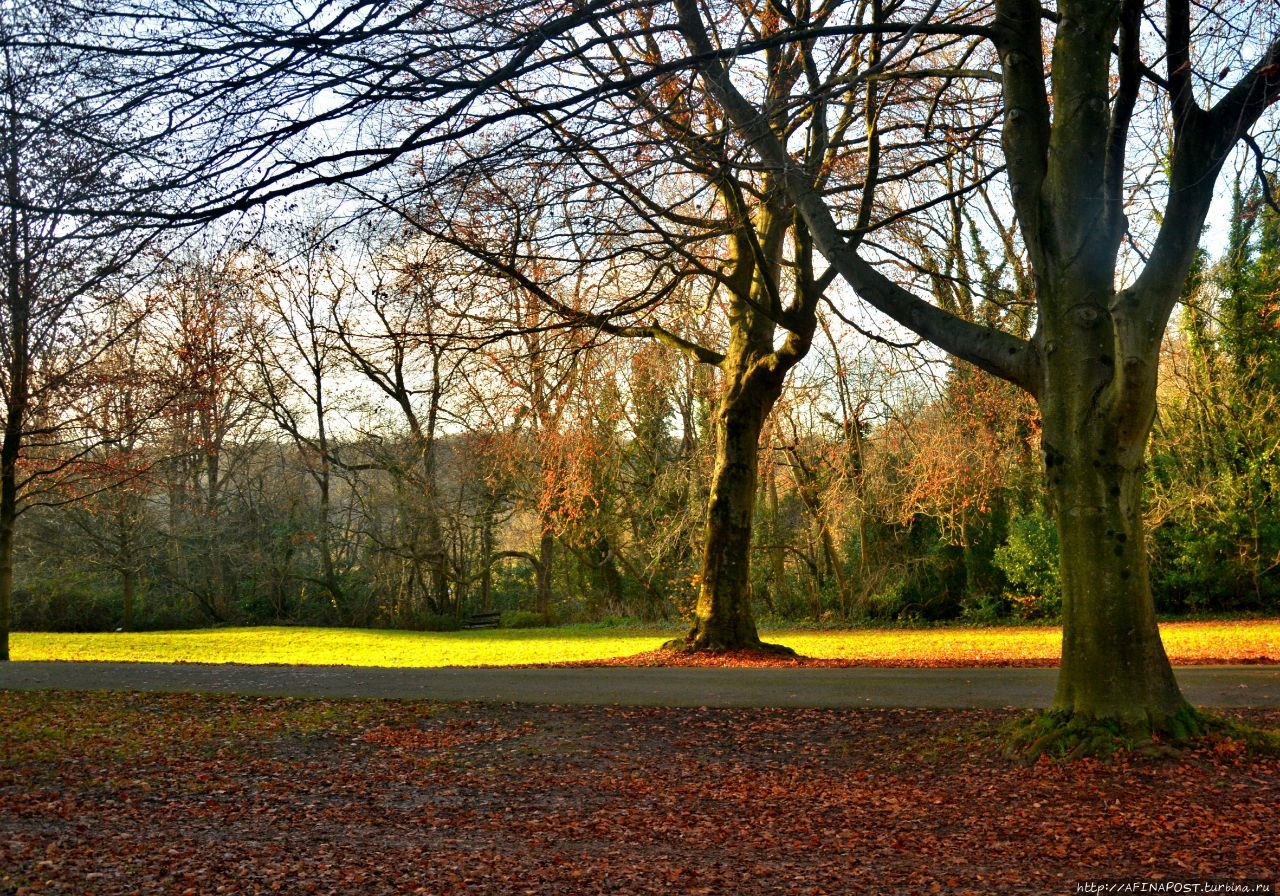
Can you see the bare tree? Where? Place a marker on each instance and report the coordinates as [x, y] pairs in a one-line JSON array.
[[61, 264], [299, 361]]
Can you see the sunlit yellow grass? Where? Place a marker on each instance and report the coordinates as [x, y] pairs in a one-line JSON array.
[[337, 646], [1185, 642]]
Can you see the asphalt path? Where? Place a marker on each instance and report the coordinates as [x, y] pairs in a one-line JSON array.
[[1221, 686]]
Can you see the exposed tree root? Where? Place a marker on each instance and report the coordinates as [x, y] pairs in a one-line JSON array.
[[1069, 736], [692, 644]]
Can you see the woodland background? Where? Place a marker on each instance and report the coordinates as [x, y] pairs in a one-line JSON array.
[[337, 421]]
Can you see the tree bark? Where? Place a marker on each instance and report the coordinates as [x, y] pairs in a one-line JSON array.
[[8, 523], [129, 584], [777, 546], [723, 618], [1113, 662], [1101, 363], [486, 558], [546, 558], [10, 450]]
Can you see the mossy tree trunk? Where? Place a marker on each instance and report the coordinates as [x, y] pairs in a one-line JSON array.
[[754, 373], [1113, 662], [723, 618]]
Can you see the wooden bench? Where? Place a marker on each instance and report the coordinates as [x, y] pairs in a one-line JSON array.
[[482, 620]]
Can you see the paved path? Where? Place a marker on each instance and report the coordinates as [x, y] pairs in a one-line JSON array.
[[1241, 686]]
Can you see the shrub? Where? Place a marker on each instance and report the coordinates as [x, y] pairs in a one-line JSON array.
[[436, 622], [65, 605], [984, 607], [521, 619], [929, 589], [1029, 560]]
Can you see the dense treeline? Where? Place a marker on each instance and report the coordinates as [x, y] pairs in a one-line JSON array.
[[371, 434]]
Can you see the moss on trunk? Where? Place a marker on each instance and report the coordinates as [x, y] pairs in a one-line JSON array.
[[1096, 426], [724, 619]]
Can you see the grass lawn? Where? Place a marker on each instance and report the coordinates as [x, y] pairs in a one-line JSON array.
[[114, 794], [1187, 643]]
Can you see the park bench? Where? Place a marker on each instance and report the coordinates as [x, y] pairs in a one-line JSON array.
[[481, 620]]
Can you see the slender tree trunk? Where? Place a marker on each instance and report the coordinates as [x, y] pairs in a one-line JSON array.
[[17, 348], [324, 478], [437, 563], [607, 573], [8, 521], [546, 559], [9, 451], [486, 560], [777, 547], [327, 566], [129, 584]]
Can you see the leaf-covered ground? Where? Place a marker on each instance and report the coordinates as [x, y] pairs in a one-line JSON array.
[[111, 794], [1188, 643]]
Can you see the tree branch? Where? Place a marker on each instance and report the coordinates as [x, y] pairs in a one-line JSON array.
[[992, 350], [1025, 136]]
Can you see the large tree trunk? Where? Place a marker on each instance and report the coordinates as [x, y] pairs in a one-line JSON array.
[[1113, 662], [1096, 426], [723, 619]]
